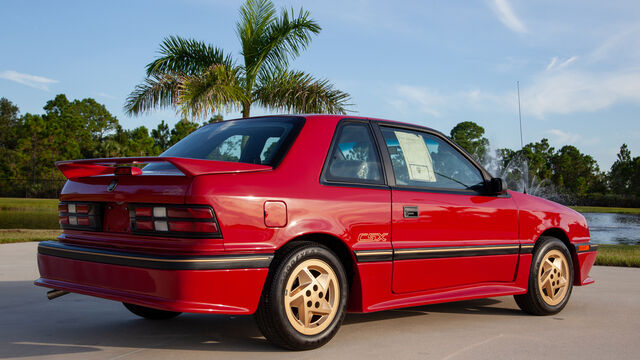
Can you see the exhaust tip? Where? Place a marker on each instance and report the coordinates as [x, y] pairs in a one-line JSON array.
[[55, 294]]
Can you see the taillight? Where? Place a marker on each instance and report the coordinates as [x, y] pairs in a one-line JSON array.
[[79, 216], [174, 220]]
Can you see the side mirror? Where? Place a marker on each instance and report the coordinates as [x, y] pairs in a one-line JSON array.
[[496, 186]]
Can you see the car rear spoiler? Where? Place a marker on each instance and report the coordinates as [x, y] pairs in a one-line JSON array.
[[73, 169]]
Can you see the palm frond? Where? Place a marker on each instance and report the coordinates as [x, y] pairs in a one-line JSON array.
[[298, 92], [286, 37], [157, 91], [186, 56], [217, 89], [255, 17]]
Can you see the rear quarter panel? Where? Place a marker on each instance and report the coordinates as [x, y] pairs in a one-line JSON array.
[[312, 208]]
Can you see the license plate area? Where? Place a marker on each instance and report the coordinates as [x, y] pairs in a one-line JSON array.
[[116, 218]]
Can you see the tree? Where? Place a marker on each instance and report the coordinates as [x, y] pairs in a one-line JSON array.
[[161, 136], [469, 135], [199, 79], [214, 119], [35, 146], [539, 156], [9, 125], [182, 129], [575, 172], [78, 127], [139, 143], [8, 122], [634, 187], [621, 172]]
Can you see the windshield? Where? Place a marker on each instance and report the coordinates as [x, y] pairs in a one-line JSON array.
[[261, 141]]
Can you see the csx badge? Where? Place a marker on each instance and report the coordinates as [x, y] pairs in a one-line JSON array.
[[372, 237], [112, 186]]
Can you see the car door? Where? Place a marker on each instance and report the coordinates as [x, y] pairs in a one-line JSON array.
[[445, 231]]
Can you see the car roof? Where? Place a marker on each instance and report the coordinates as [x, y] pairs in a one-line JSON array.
[[334, 119]]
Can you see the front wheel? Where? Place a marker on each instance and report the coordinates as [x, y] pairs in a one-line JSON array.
[[304, 300], [150, 313], [550, 279]]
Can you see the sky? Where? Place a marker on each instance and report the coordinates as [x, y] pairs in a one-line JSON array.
[[433, 63]]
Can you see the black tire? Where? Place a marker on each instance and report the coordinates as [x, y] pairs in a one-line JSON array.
[[539, 301], [150, 313], [276, 321]]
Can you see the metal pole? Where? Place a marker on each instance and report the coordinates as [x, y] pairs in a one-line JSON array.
[[520, 115], [524, 178]]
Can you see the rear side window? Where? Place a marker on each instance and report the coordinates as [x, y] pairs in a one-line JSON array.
[[425, 160], [354, 157], [262, 141]]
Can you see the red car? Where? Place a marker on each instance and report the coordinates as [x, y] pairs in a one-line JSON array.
[[298, 219]]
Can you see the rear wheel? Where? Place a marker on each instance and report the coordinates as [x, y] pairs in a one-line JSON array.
[[150, 313], [550, 279], [304, 300]]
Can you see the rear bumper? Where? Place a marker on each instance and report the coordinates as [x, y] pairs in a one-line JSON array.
[[228, 284]]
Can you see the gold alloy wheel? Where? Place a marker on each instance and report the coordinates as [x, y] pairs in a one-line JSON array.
[[312, 297], [553, 278]]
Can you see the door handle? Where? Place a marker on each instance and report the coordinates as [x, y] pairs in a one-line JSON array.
[[410, 211]]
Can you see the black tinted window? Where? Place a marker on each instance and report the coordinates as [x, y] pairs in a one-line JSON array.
[[354, 157], [257, 141]]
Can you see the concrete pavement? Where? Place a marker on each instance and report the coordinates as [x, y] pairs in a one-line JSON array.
[[601, 321]]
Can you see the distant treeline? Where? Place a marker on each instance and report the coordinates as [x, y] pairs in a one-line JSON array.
[[566, 174], [80, 129], [31, 144]]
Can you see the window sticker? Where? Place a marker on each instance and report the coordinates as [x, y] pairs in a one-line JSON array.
[[417, 157]]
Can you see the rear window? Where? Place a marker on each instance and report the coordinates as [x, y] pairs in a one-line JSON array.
[[262, 141]]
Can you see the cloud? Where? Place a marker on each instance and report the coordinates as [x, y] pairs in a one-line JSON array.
[[554, 65], [562, 137], [427, 100], [558, 137], [505, 13], [557, 92], [623, 45], [568, 91], [33, 81], [553, 62], [566, 85]]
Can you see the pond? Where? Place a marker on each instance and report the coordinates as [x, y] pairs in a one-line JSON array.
[[607, 228]]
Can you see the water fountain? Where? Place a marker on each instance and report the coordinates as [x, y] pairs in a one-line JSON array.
[[517, 176]]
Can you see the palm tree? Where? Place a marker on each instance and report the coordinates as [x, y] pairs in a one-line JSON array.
[[200, 79]]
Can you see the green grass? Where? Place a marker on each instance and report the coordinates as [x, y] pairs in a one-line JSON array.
[[18, 213], [619, 255], [20, 204], [22, 235], [602, 209]]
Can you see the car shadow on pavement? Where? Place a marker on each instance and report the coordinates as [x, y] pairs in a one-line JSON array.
[[76, 324], [193, 332], [31, 325]]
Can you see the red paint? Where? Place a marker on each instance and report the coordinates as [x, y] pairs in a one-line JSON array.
[[116, 218], [190, 167], [259, 209], [447, 220], [215, 291], [275, 213]]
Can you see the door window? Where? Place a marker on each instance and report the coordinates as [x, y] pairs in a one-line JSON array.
[[354, 157], [425, 160]]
